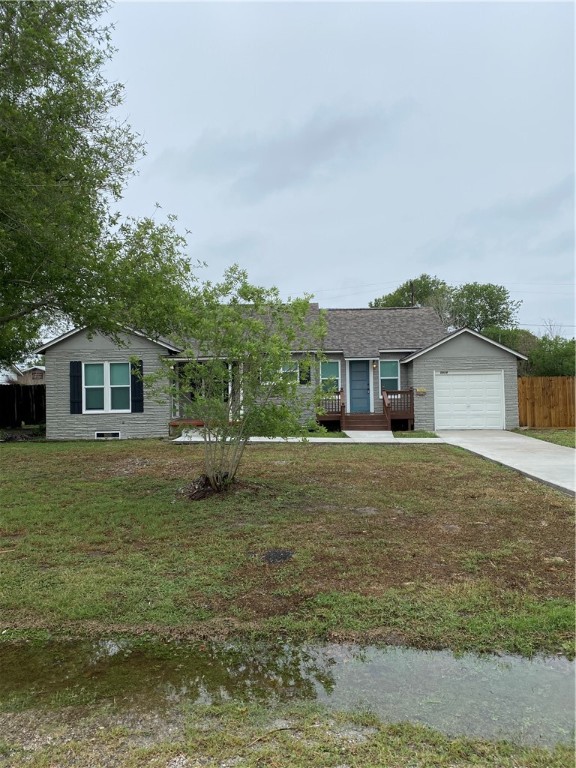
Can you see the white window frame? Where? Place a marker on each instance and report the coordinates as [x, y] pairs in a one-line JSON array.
[[339, 379], [380, 377], [107, 387]]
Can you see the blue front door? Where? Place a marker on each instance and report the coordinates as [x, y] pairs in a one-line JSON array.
[[359, 386]]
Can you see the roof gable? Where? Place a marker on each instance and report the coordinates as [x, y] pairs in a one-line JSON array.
[[459, 332], [8, 373], [69, 334]]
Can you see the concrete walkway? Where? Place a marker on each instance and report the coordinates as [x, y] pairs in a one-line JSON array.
[[356, 436], [552, 464]]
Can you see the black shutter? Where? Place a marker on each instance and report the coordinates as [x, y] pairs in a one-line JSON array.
[[137, 370], [75, 386]]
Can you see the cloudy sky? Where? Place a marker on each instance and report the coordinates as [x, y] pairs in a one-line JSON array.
[[343, 148]]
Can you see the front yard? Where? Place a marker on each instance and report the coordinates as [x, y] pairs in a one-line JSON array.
[[420, 545], [423, 545]]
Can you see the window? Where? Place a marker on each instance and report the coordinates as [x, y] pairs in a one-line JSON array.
[[330, 375], [296, 372], [389, 375], [208, 379], [106, 387]]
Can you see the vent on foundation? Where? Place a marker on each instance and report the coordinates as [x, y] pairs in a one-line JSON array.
[[107, 435]]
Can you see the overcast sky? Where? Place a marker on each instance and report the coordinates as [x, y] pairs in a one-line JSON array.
[[343, 148]]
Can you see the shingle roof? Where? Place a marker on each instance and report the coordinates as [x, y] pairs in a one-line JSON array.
[[366, 332]]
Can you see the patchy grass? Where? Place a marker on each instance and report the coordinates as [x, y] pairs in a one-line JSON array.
[[566, 437], [425, 545], [251, 735]]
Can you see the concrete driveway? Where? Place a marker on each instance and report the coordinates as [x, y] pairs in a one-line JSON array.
[[549, 463]]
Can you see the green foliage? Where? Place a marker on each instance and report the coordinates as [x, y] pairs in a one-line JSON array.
[[547, 356], [517, 339], [64, 160], [553, 356], [479, 305], [412, 292], [240, 378], [472, 305]]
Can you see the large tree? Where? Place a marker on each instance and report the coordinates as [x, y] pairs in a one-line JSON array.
[[472, 305], [64, 161], [481, 305], [412, 292]]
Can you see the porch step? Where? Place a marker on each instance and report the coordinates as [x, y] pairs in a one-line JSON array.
[[366, 422]]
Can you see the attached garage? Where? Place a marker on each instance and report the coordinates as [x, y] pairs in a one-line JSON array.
[[464, 400], [464, 381]]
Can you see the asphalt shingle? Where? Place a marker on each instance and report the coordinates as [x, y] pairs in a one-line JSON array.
[[366, 332]]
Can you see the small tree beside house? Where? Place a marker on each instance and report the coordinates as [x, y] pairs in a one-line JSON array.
[[238, 376]]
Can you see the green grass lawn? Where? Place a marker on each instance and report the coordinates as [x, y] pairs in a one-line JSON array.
[[424, 545], [565, 437]]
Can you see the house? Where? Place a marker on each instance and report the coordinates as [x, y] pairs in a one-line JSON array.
[[14, 375], [381, 368], [35, 374], [9, 374]]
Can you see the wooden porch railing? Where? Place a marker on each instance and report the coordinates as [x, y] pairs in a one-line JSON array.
[[399, 404], [333, 405]]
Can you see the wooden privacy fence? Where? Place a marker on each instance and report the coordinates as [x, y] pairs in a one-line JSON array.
[[546, 401], [22, 403]]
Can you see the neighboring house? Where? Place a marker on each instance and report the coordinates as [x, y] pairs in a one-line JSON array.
[[35, 374], [382, 367], [9, 374], [12, 374]]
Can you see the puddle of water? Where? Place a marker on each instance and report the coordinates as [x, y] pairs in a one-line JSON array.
[[493, 697]]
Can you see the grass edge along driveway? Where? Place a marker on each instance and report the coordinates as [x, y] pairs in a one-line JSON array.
[[565, 437]]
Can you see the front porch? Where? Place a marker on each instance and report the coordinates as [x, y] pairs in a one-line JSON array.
[[397, 412]]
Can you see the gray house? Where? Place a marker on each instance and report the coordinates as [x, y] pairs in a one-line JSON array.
[[381, 368], [432, 379]]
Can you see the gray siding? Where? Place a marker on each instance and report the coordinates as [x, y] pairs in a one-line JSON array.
[[62, 425], [463, 353]]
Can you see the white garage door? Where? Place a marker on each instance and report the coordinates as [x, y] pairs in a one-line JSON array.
[[469, 400]]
